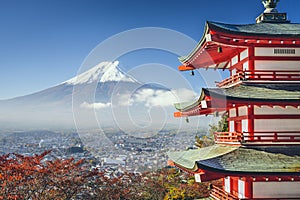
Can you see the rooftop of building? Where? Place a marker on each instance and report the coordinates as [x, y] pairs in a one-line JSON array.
[[256, 93], [258, 29], [270, 25], [240, 160]]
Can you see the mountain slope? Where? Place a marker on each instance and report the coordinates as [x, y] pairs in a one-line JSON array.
[[104, 84]]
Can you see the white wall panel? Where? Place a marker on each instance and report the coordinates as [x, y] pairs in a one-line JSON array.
[[276, 190], [245, 125], [276, 124], [243, 110], [244, 54], [276, 110], [232, 112], [264, 51], [227, 184], [231, 126], [234, 60], [277, 65], [246, 66], [241, 188]]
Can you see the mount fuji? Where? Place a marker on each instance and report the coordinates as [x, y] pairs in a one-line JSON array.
[[103, 72], [103, 94]]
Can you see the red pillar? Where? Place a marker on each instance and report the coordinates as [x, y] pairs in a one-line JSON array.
[[251, 61], [231, 184], [235, 186], [248, 188], [251, 121], [251, 58]]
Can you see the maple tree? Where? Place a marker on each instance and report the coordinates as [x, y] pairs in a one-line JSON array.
[[35, 177], [29, 177]]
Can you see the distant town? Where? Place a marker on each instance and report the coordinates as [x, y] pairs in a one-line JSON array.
[[124, 153]]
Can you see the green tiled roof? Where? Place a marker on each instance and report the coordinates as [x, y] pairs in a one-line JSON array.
[[249, 92], [186, 105], [188, 158], [238, 160], [268, 29], [262, 92], [253, 161]]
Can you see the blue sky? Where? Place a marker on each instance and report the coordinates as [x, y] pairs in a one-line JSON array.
[[44, 42]]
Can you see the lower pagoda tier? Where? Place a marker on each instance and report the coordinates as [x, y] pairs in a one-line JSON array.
[[258, 114], [244, 170], [221, 99]]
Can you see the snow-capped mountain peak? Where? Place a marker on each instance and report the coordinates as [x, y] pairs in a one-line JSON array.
[[103, 72]]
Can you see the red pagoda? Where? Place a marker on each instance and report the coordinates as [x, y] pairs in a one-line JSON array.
[[259, 157]]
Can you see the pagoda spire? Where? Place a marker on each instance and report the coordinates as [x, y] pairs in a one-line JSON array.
[[271, 14], [270, 6]]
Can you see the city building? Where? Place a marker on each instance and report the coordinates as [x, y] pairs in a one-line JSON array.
[[259, 156]]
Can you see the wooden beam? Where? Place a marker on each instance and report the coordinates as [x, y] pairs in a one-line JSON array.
[[177, 114], [251, 120], [228, 38], [225, 66], [277, 116], [277, 58], [185, 68]]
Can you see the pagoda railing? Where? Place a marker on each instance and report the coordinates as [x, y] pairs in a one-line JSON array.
[[228, 137], [231, 80], [218, 193], [265, 136], [271, 136], [271, 75], [260, 75]]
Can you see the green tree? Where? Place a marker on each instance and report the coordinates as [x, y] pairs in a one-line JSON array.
[[222, 125], [207, 140]]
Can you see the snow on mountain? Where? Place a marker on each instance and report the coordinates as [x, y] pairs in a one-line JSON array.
[[117, 97], [103, 72]]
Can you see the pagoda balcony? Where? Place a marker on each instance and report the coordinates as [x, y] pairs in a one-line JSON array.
[[260, 76], [246, 138], [218, 193], [232, 80], [228, 137]]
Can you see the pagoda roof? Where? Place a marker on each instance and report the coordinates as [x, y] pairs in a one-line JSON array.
[[235, 38], [239, 160], [259, 29], [246, 92], [188, 158]]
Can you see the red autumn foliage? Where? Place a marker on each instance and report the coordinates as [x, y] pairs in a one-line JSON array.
[[32, 177]]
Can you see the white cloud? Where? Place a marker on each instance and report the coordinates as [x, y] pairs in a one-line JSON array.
[[95, 105], [123, 100], [162, 98]]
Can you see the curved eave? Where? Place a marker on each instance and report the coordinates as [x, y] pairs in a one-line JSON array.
[[184, 59], [213, 55], [235, 99], [205, 54], [224, 159], [209, 54], [210, 101], [220, 105], [185, 106], [187, 159]]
